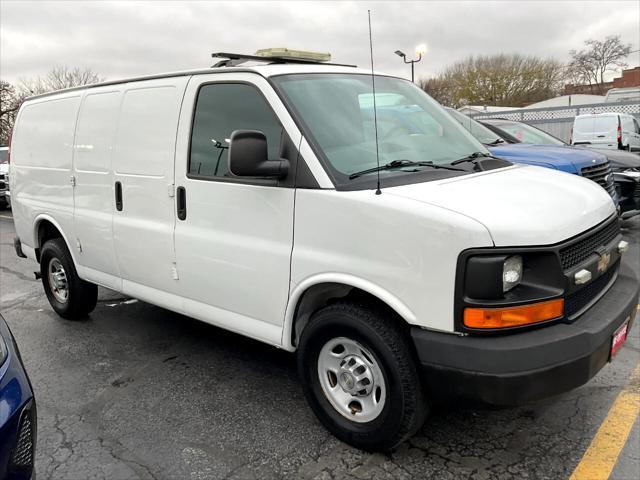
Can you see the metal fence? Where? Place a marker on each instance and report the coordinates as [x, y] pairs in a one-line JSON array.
[[558, 120]]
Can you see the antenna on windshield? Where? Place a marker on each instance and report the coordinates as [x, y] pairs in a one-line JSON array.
[[375, 114]]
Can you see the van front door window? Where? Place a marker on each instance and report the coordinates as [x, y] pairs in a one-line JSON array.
[[222, 108]]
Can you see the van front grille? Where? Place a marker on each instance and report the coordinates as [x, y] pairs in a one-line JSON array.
[[578, 301], [579, 251]]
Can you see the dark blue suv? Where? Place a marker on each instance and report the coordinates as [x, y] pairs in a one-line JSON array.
[[17, 412], [583, 162]]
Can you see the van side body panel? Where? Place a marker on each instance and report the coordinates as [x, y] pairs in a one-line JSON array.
[[41, 168], [405, 256]]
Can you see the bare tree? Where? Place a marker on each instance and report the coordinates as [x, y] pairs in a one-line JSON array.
[[439, 89], [59, 78], [504, 80], [10, 101], [589, 66]]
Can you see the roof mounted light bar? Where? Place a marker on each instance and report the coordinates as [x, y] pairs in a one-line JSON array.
[[275, 55]]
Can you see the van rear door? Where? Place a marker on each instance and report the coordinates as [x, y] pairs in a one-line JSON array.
[[605, 130], [582, 133], [144, 217]]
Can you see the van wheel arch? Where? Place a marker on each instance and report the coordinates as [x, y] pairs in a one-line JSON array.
[[46, 230], [323, 294]]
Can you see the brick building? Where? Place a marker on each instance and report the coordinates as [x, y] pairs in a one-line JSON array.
[[630, 78]]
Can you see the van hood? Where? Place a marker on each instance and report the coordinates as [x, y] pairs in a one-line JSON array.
[[519, 205], [567, 159]]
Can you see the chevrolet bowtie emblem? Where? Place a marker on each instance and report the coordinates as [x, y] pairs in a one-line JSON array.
[[604, 261]]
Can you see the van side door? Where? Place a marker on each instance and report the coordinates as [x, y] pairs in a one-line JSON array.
[[234, 235], [143, 166], [93, 186]]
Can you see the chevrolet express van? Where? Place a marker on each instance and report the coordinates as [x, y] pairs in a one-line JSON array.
[[268, 200]]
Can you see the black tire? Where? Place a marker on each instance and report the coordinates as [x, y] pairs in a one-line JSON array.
[[81, 297], [405, 407]]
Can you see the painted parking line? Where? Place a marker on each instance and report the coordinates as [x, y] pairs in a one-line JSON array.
[[601, 456], [8, 217]]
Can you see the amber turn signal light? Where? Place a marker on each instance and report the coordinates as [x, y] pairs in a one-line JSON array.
[[506, 317]]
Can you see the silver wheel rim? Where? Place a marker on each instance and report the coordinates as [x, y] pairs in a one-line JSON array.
[[351, 379], [58, 281]]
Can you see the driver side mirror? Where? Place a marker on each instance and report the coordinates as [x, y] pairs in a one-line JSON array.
[[248, 156]]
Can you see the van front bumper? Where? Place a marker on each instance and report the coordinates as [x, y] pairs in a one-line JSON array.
[[522, 367]]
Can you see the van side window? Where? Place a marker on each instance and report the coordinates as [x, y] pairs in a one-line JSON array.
[[222, 108]]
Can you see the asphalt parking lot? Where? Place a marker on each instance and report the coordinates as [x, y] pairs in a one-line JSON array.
[[138, 392]]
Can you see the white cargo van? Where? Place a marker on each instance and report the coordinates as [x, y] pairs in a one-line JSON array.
[[606, 130], [252, 198]]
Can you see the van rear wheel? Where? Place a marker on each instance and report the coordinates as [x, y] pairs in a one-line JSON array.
[[359, 376], [70, 296]]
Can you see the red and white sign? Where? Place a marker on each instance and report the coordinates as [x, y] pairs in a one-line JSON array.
[[619, 337]]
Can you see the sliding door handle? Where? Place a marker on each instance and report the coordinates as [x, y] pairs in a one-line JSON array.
[[181, 203], [119, 196]]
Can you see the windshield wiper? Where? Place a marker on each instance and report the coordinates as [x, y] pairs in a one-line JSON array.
[[473, 158], [497, 141], [399, 164]]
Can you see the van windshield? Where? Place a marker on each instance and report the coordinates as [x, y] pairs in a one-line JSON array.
[[336, 112]]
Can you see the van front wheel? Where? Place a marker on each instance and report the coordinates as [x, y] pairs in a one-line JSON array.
[[70, 296], [359, 375]]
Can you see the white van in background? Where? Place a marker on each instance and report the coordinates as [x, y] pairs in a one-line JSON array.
[[252, 197], [626, 94], [606, 130]]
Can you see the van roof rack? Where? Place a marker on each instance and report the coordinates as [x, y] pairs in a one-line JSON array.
[[281, 55]]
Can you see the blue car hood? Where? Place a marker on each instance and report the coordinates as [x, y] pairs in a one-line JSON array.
[[567, 159]]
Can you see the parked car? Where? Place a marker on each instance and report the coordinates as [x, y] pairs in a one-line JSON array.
[[17, 412], [591, 165], [419, 265], [624, 165], [606, 130], [5, 197]]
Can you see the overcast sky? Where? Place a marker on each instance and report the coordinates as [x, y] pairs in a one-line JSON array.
[[119, 39]]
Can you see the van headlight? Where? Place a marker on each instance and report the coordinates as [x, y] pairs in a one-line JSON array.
[[511, 272], [492, 276], [501, 288]]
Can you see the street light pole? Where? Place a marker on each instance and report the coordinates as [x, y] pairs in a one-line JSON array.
[[420, 50]]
